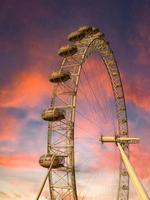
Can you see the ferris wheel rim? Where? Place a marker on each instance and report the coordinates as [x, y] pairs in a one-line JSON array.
[[90, 41]]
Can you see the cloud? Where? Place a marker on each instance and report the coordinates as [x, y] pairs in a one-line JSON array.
[[28, 89], [18, 113], [139, 156], [8, 129], [139, 92], [19, 160]]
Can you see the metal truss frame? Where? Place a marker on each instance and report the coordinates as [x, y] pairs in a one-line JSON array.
[[62, 181]]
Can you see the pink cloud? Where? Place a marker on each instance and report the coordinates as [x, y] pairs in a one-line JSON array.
[[27, 89], [8, 129], [140, 158], [19, 161], [139, 93]]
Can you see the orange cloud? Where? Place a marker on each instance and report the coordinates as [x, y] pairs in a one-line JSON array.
[[7, 132], [19, 160], [28, 89]]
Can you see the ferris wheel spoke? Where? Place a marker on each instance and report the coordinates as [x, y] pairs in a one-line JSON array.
[[92, 91], [89, 120], [92, 108]]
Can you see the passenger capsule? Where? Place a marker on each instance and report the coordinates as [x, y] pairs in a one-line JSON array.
[[68, 50], [59, 76], [86, 30], [76, 36], [99, 35], [95, 30], [46, 160], [53, 114]]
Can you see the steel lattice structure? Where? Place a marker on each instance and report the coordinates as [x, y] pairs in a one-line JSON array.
[[84, 42]]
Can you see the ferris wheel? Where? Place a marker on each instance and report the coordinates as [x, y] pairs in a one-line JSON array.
[[61, 114]]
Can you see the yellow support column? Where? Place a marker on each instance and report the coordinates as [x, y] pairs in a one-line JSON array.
[[136, 182]]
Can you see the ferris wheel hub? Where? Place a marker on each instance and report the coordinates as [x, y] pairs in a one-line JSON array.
[[118, 139]]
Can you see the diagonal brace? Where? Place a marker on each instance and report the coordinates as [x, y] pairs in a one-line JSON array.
[[44, 181], [142, 194]]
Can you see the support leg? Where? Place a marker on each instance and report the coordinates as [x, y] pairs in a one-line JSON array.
[[44, 181], [136, 182]]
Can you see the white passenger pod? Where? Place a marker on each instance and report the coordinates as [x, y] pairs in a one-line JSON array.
[[46, 160], [96, 32], [85, 29], [68, 50], [59, 76], [76, 36], [53, 114]]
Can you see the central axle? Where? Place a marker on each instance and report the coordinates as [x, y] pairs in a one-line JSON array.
[[118, 139]]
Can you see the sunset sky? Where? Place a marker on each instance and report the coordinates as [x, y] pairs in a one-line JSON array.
[[31, 33]]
